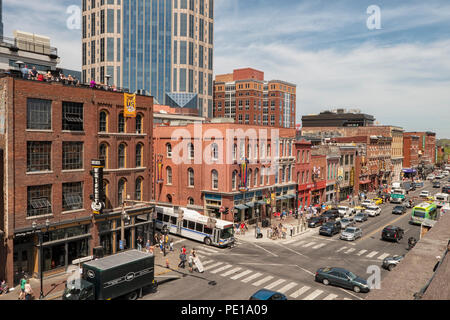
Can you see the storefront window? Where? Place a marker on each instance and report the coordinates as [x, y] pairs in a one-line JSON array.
[[54, 257]]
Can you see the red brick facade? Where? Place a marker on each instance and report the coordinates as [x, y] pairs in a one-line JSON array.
[[411, 151]]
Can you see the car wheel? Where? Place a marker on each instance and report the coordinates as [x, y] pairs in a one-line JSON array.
[[207, 241], [356, 289], [132, 296], [391, 267], [326, 282]]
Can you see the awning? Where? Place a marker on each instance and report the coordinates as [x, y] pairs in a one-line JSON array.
[[241, 207], [281, 198], [290, 196], [250, 204], [262, 202]]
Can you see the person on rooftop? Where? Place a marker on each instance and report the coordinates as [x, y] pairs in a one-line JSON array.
[[25, 72]]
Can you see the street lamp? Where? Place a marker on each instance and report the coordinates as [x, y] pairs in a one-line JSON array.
[[41, 255], [256, 227], [124, 216]]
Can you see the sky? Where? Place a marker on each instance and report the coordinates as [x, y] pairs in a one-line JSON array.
[[396, 68]]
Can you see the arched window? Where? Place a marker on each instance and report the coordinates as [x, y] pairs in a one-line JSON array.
[[169, 198], [106, 192], [242, 149], [249, 151], [169, 175], [191, 201], [121, 191], [235, 151], [190, 177], [121, 123], [169, 150], [139, 155], [269, 151], [122, 156], [233, 180], [103, 122], [103, 153], [191, 151], [255, 183], [138, 123], [249, 178], [138, 189], [255, 155], [214, 151], [214, 180], [263, 150], [268, 175]]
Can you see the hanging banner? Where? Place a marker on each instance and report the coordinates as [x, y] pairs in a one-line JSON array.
[[159, 166], [98, 197], [129, 102], [243, 176]]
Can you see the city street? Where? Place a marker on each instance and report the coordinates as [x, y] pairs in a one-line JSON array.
[[289, 266]]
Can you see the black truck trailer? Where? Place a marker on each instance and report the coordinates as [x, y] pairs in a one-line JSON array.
[[124, 275]]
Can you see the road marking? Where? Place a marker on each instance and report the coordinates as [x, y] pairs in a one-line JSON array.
[[309, 244], [381, 228], [370, 255], [348, 292], [228, 266], [230, 272], [342, 248], [300, 291], [213, 266], [264, 280], [385, 255], [347, 299], [209, 249], [265, 250], [319, 246], [361, 252], [299, 243], [253, 276], [313, 295], [290, 241], [240, 275], [207, 261], [287, 248], [287, 287], [274, 284], [205, 253], [331, 296], [179, 241], [349, 250]]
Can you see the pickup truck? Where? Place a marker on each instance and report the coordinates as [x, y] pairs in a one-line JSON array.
[[123, 275]]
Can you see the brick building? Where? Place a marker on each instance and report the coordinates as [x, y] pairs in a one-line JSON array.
[[427, 146], [303, 172], [247, 98], [411, 151], [318, 177], [202, 170], [50, 134]]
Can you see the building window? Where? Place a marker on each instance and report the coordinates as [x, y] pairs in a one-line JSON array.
[[215, 180], [255, 183], [214, 152], [169, 175], [138, 189], [233, 180], [72, 155], [72, 196], [72, 116], [122, 156], [39, 114], [190, 177], [191, 151], [103, 122], [169, 150], [138, 124], [190, 201], [121, 191], [263, 172], [249, 179], [121, 123], [39, 200], [234, 152], [39, 156], [139, 155], [103, 153]]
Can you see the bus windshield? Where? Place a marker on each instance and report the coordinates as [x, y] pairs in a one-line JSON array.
[[419, 213], [227, 233]]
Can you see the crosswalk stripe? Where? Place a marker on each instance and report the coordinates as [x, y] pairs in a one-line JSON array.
[[225, 274], [240, 275], [313, 295], [300, 291], [274, 284], [287, 287], [209, 249], [384, 255], [299, 243], [204, 253], [290, 241], [350, 250], [362, 252], [330, 297], [213, 265], [309, 244], [319, 246], [253, 276], [228, 266], [343, 248], [207, 261], [347, 299], [264, 280], [370, 255]]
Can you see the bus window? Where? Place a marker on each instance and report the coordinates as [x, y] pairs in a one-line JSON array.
[[191, 225], [173, 220], [199, 227], [419, 213], [226, 233], [159, 216], [166, 218], [185, 224], [207, 230]]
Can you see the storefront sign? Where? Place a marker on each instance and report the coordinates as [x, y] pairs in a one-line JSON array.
[[97, 174], [352, 176]]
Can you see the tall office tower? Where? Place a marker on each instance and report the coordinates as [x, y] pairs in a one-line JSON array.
[[1, 19], [164, 47]]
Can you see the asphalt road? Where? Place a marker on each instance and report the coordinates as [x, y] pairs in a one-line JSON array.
[[289, 266]]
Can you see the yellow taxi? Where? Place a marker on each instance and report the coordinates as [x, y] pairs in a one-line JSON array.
[[377, 201], [358, 209]]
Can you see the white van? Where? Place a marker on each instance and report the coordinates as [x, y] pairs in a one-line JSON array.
[[441, 199]]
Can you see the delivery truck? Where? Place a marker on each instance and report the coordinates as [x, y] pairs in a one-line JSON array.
[[122, 275]]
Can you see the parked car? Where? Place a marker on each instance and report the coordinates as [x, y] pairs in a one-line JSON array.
[[436, 184], [347, 222], [373, 211], [315, 222], [440, 176], [358, 209], [351, 233], [345, 211], [265, 294], [424, 194], [366, 203], [431, 177], [390, 263], [360, 217], [392, 233], [342, 278], [377, 201], [399, 210], [330, 228], [330, 215]]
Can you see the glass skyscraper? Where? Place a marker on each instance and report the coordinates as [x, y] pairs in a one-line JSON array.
[[164, 47], [1, 18]]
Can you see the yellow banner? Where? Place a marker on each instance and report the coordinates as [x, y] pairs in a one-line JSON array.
[[129, 105]]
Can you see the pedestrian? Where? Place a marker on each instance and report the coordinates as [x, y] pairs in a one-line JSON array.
[[23, 281], [147, 246], [182, 263], [28, 290], [190, 262], [161, 245], [171, 244], [139, 243], [183, 249]]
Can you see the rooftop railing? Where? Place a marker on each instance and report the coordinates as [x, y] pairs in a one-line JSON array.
[[30, 46]]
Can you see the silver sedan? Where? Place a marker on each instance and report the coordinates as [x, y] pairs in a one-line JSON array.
[[351, 233], [347, 222]]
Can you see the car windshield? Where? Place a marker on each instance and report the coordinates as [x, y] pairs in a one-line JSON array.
[[372, 208], [345, 220], [360, 215], [329, 224], [342, 208], [350, 230], [398, 208], [351, 275]]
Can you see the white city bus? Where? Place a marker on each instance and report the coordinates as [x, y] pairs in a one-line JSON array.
[[441, 199], [195, 226]]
